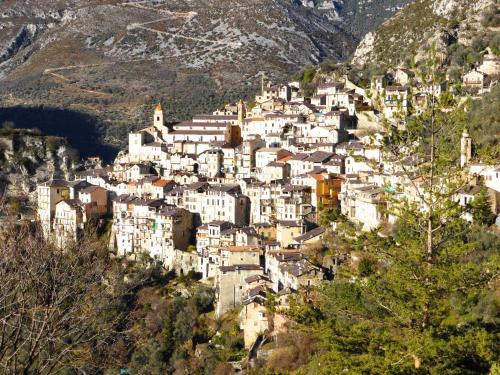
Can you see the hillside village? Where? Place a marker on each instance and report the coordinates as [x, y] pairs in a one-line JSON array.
[[238, 196]]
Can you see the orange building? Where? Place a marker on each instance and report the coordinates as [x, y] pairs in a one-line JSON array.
[[325, 188]]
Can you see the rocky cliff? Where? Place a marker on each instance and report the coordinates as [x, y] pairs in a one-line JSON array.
[[27, 158], [459, 30]]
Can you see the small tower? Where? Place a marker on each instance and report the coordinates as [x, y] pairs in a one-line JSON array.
[[158, 117], [241, 112], [465, 148]]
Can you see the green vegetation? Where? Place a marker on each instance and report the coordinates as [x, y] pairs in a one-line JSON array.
[[480, 208], [409, 316], [483, 123], [328, 66], [168, 330], [491, 17], [229, 341], [306, 78], [329, 216], [404, 39], [421, 298], [308, 74], [362, 76], [404, 33]]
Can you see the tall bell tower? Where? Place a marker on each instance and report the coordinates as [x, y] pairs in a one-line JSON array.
[[241, 112], [465, 148], [158, 117]]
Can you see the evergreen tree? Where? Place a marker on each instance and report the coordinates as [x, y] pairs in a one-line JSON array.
[[421, 300], [481, 208]]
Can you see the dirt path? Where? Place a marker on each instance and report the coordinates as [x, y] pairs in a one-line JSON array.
[[214, 44]]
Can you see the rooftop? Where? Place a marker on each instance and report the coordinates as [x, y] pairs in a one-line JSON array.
[[91, 189], [242, 267], [199, 131], [240, 249], [310, 235], [162, 183], [254, 278], [319, 156], [215, 117], [73, 203]]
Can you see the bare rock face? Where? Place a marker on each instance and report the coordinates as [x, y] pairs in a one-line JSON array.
[[445, 8], [363, 50], [27, 159]]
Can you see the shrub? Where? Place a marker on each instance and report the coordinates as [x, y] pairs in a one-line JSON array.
[[491, 17], [366, 267]]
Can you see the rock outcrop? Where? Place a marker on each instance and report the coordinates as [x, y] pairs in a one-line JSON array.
[[422, 25], [27, 159]]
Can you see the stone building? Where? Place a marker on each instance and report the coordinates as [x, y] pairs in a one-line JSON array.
[[49, 194], [233, 255], [229, 283]]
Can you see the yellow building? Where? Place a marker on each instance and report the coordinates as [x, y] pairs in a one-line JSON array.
[[325, 188]]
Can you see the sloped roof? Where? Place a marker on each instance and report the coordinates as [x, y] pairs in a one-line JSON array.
[[309, 235], [241, 249], [276, 164], [162, 182], [215, 117], [254, 278], [300, 156], [298, 268], [73, 203], [125, 198], [319, 156], [243, 267], [289, 223], [290, 188], [470, 190], [197, 185], [91, 189]]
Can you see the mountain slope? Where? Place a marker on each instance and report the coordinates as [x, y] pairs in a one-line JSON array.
[[114, 58], [426, 23]]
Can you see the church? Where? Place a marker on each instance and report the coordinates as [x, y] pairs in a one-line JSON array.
[[193, 137]]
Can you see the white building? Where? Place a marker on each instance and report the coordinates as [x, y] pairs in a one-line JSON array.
[[396, 101], [363, 205]]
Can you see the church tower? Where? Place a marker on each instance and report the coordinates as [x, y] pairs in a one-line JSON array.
[[241, 112], [465, 148], [158, 117]]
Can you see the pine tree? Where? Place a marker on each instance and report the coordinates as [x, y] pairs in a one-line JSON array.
[[421, 307], [481, 208]]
